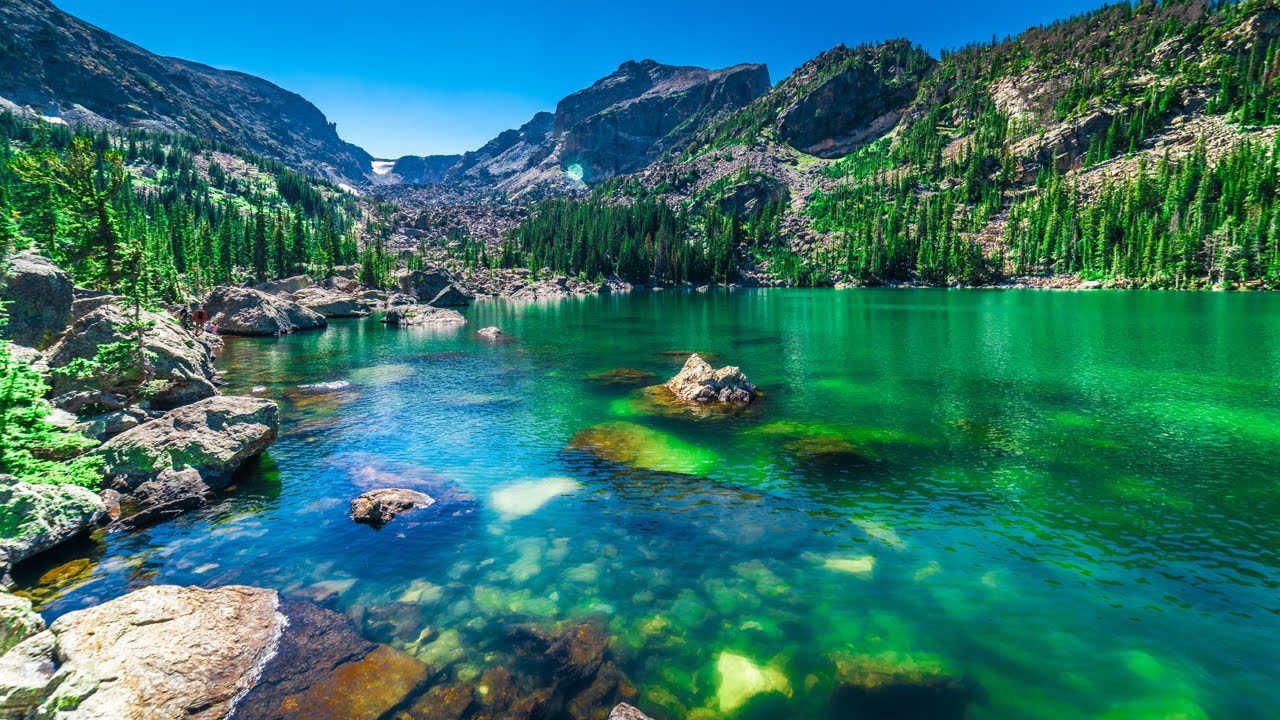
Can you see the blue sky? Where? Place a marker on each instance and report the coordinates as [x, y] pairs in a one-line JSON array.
[[402, 77]]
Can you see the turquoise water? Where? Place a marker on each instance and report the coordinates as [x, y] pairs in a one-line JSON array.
[[1070, 500]]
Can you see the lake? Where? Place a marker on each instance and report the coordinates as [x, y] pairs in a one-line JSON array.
[[1047, 504]]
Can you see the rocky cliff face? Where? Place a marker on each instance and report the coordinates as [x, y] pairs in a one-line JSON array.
[[618, 125], [59, 66], [428, 170]]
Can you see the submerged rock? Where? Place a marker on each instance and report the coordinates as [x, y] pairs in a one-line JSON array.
[[35, 518], [525, 498], [422, 315], [492, 333], [37, 297], [379, 507], [740, 680], [214, 437], [895, 686], [622, 376], [862, 566], [244, 311], [698, 382], [637, 446]]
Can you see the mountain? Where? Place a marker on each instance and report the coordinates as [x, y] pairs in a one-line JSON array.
[[618, 125], [62, 67], [1135, 145]]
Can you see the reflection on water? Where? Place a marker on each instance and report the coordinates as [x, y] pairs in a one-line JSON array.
[[1010, 504]]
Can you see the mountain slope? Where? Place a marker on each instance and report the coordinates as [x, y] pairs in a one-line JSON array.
[[61, 66], [1134, 145], [618, 125]]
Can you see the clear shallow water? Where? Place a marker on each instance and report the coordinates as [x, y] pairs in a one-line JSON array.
[[1069, 498]]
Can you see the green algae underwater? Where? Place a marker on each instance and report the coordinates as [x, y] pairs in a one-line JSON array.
[[982, 504]]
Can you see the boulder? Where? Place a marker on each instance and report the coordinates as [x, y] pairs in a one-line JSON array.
[[451, 296], [214, 436], [38, 296], [244, 311], [35, 518], [108, 425], [379, 507], [285, 286], [164, 652], [898, 685], [625, 712], [491, 333], [26, 675], [426, 284], [420, 315], [331, 303], [342, 284], [17, 621], [698, 382], [170, 494], [183, 363]]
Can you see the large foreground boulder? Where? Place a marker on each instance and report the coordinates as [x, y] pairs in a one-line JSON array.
[[698, 382], [35, 518], [422, 315], [331, 303], [183, 363], [174, 653], [244, 311], [214, 437], [39, 295]]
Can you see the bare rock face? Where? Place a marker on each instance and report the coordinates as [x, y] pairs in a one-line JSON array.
[[63, 66], [244, 311], [451, 296], [331, 303], [39, 296], [698, 382], [164, 652], [214, 437], [285, 286], [35, 518], [859, 95], [379, 507], [183, 363], [423, 315], [427, 284]]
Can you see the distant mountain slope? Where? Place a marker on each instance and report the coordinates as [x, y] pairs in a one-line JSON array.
[[618, 125], [61, 66]]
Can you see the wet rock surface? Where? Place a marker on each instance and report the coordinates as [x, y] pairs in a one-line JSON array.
[[244, 311], [379, 507]]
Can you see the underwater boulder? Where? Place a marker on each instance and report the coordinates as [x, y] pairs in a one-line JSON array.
[[640, 447], [622, 376], [898, 686], [741, 680]]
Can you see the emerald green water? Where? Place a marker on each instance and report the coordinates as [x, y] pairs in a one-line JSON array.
[[1071, 499]]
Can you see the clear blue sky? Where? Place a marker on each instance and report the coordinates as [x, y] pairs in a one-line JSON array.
[[402, 77]]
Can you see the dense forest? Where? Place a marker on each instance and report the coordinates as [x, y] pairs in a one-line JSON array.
[[197, 213], [961, 191]]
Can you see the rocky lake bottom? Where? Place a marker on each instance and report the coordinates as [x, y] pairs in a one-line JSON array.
[[983, 504]]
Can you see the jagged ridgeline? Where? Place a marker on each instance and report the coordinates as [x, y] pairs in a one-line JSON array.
[[1135, 144], [196, 213]]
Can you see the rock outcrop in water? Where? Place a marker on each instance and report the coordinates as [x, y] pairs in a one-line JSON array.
[[35, 518], [244, 311], [38, 296], [379, 507], [700, 383], [422, 315]]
